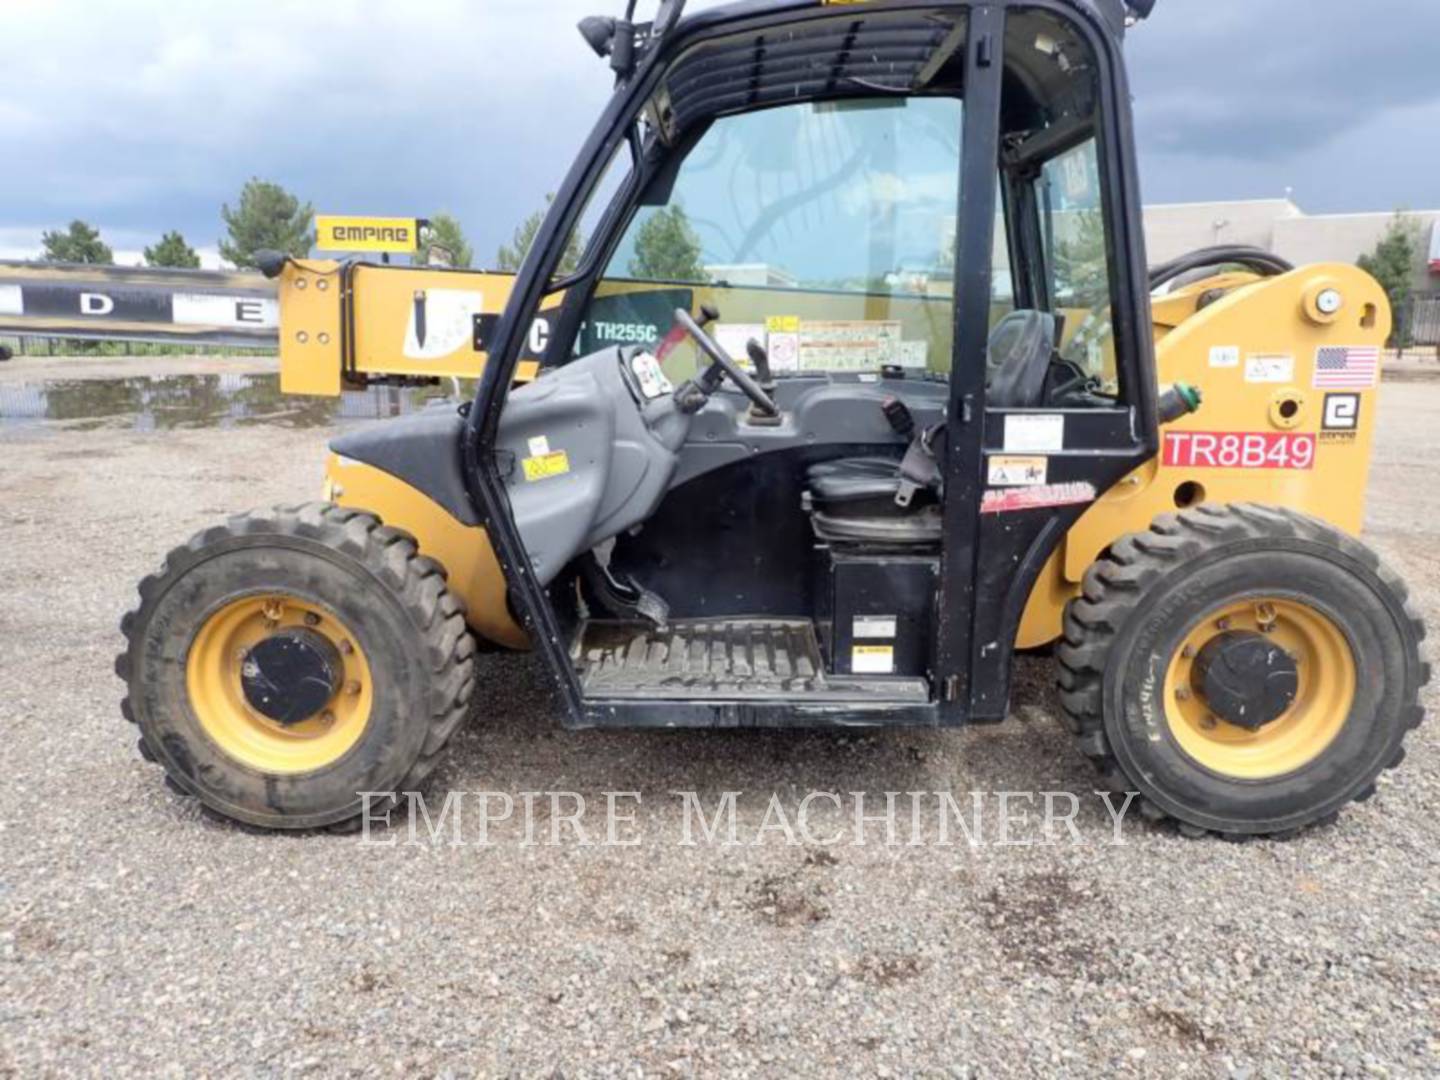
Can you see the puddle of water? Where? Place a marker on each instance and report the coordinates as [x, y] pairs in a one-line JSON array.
[[197, 401]]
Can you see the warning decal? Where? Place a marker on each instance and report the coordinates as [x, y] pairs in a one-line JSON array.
[[546, 467], [1019, 471], [872, 660]]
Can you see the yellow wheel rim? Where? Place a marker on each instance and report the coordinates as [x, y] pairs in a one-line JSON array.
[[213, 680], [1326, 680]]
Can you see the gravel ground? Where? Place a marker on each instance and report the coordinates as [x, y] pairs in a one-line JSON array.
[[139, 937]]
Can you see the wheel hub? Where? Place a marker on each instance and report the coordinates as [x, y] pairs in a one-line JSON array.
[[1246, 679], [291, 675]]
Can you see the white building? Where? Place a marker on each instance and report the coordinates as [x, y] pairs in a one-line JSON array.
[[753, 275], [1279, 225]]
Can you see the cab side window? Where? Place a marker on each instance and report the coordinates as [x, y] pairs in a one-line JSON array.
[[1058, 232], [1077, 260]]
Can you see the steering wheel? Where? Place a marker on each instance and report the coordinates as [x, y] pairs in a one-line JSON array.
[[721, 365]]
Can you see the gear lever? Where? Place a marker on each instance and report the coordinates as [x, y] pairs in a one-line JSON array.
[[761, 359]]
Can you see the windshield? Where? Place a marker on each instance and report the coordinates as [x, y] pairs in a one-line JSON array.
[[824, 230], [852, 195]]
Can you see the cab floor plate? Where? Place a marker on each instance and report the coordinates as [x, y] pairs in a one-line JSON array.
[[723, 660]]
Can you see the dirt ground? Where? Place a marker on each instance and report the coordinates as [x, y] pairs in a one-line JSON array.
[[139, 937]]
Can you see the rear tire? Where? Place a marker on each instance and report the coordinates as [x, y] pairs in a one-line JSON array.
[[1126, 669], [409, 669]]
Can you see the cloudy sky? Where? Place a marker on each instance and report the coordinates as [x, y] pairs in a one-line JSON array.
[[146, 115]]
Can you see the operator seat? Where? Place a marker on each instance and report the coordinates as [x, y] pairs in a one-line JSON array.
[[856, 487], [853, 500], [1018, 361]]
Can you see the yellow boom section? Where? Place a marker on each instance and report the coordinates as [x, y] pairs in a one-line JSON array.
[[344, 324]]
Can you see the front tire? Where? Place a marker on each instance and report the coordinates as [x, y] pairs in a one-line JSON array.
[[282, 664], [1316, 613]]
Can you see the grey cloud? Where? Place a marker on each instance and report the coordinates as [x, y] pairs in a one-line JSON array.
[[145, 115], [1248, 79]]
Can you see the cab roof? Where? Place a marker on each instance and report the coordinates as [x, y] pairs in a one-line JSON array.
[[1113, 15]]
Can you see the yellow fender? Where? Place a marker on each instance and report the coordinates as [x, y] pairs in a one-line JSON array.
[[1253, 354], [464, 550]]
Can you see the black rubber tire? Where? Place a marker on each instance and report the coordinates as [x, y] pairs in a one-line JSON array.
[[1139, 601], [410, 627]]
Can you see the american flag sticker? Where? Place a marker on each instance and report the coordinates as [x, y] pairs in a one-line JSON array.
[[1339, 367]]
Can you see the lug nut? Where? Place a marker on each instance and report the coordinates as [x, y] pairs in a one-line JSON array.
[[1182, 693], [352, 688], [311, 619], [346, 647], [1222, 624], [327, 718], [1209, 723], [1188, 652]]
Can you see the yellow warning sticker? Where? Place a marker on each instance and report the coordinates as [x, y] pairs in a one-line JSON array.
[[547, 466], [783, 324], [872, 660]]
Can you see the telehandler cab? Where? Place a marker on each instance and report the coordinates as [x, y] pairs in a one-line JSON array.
[[860, 384]]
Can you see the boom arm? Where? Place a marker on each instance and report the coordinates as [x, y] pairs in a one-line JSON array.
[[347, 324]]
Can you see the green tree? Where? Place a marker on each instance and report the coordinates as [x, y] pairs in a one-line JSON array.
[[80, 243], [444, 236], [667, 248], [172, 250], [1392, 264], [511, 255], [1082, 271], [267, 218]]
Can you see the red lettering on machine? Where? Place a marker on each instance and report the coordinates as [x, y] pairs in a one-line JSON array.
[[1239, 450]]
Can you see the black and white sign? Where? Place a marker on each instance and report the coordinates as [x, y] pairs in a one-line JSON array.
[[1342, 412], [138, 304]]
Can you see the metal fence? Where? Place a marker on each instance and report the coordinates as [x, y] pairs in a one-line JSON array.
[[28, 345], [1422, 322]]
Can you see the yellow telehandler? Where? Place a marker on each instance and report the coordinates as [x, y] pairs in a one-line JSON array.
[[860, 384]]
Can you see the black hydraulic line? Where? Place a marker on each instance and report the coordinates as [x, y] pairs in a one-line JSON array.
[[1263, 262]]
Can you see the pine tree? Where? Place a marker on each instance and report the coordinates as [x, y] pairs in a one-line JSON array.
[[444, 236], [267, 218], [511, 255], [172, 250], [80, 243], [667, 248], [1392, 264]]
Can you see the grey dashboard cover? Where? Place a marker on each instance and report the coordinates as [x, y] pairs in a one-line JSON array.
[[610, 470]]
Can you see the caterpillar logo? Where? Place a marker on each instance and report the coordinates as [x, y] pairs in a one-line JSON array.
[[396, 235]]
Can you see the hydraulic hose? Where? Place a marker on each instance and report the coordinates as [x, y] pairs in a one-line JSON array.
[[1264, 263]]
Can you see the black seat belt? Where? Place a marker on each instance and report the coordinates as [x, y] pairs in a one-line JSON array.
[[920, 468]]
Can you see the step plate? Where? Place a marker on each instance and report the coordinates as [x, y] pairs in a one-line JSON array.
[[722, 660]]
